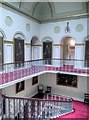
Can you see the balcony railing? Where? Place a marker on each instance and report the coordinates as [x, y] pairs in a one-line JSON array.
[[13, 71], [51, 106]]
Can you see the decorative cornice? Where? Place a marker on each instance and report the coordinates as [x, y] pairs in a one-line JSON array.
[[77, 16]]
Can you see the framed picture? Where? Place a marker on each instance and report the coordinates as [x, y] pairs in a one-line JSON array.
[[19, 50], [20, 86], [47, 52], [34, 80], [67, 80], [87, 53]]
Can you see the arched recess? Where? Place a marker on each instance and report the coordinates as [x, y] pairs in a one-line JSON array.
[[67, 50], [47, 50], [19, 35], [35, 51], [86, 43], [2, 36], [19, 39], [47, 6]]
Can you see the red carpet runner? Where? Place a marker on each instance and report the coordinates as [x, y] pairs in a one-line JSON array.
[[81, 112]]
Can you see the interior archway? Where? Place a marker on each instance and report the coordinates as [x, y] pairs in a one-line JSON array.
[[2, 36], [68, 50]]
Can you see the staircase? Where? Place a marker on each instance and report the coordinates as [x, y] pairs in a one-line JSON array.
[[51, 106]]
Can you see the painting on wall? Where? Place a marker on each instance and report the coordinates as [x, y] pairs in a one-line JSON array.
[[67, 80], [87, 53], [34, 80], [1, 50], [19, 50], [20, 86], [47, 52]]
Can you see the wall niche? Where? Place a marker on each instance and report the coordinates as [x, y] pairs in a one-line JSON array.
[[67, 80]]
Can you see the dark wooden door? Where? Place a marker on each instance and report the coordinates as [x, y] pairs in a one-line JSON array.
[[47, 52], [19, 50]]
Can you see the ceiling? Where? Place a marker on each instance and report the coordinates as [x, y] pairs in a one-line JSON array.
[[49, 11]]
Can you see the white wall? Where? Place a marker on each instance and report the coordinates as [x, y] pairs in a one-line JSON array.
[[75, 93], [8, 57], [57, 37], [27, 53], [49, 30], [18, 25], [42, 31], [27, 92], [49, 79]]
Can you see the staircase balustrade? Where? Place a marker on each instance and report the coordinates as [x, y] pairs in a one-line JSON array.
[[51, 106]]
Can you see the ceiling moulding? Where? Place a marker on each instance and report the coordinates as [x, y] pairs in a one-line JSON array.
[[49, 11], [72, 17], [52, 19], [45, 0], [11, 7]]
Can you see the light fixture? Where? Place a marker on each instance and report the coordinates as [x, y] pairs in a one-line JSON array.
[[67, 28], [72, 42]]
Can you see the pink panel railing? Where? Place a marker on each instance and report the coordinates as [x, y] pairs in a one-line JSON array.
[[13, 71]]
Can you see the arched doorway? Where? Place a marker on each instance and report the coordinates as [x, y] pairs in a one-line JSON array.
[[68, 50], [35, 52]]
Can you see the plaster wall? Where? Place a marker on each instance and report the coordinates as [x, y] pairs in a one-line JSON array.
[[76, 93]]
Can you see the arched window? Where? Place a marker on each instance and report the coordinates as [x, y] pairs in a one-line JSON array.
[[87, 51]]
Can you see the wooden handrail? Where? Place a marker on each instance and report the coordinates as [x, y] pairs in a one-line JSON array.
[[37, 99], [42, 60]]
